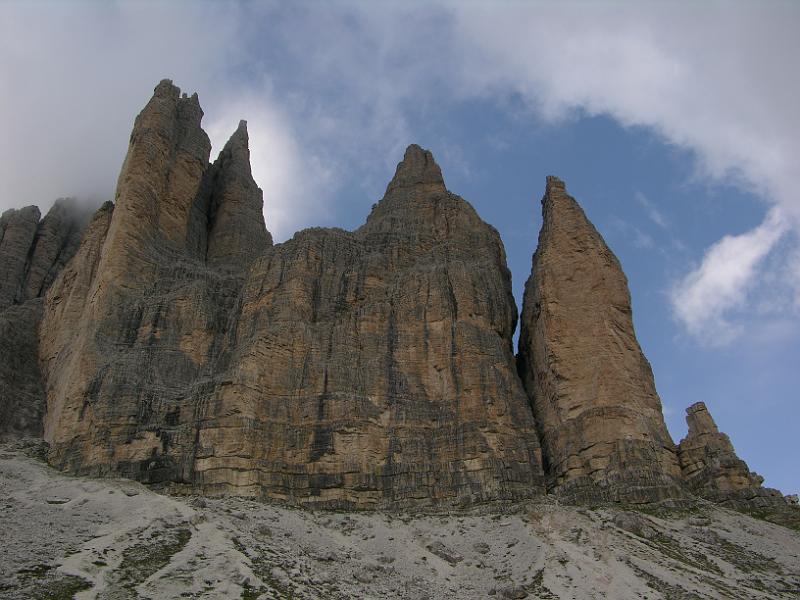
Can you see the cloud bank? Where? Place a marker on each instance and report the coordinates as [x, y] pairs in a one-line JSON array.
[[328, 89]]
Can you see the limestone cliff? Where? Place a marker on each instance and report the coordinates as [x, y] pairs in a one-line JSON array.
[[168, 340], [712, 469], [32, 252], [602, 431], [342, 368]]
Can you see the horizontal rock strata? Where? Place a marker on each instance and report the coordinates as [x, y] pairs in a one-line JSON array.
[[602, 431], [32, 252], [712, 469], [339, 368], [168, 340]]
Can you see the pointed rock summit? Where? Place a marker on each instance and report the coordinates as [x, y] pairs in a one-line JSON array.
[[712, 469], [602, 430], [418, 169], [236, 233], [176, 345]]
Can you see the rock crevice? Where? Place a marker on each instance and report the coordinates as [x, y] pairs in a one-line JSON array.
[[170, 341], [339, 368]]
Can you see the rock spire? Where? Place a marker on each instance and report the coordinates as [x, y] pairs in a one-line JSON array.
[[339, 368], [32, 253], [170, 341], [712, 469], [592, 392]]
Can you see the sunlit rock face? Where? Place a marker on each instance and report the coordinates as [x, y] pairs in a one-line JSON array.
[[602, 430], [341, 368], [165, 338], [712, 469]]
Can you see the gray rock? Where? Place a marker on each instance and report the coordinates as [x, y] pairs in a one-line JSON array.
[[514, 592], [481, 548], [602, 430], [445, 553], [370, 336], [636, 524]]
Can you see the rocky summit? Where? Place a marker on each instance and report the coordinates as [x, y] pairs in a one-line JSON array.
[[166, 339], [593, 396], [339, 368]]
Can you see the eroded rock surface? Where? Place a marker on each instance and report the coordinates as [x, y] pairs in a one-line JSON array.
[[32, 253], [602, 430], [117, 539], [177, 345], [341, 368], [712, 469]]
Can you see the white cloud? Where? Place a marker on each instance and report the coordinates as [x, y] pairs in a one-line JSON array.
[[728, 98], [342, 80], [655, 215], [74, 75], [292, 179], [706, 297]]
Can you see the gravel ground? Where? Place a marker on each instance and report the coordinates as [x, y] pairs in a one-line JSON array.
[[67, 537]]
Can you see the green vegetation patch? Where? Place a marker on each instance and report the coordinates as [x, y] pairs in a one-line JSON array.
[[143, 559], [43, 582]]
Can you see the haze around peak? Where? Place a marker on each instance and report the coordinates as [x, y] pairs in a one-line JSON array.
[[625, 102]]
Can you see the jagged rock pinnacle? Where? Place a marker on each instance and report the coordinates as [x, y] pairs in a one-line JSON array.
[[418, 168], [712, 469], [603, 435], [236, 233], [554, 183]]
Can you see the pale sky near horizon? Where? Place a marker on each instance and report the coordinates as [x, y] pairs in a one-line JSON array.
[[674, 124]]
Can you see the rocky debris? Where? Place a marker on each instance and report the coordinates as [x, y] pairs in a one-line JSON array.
[[443, 552], [601, 427], [712, 469], [110, 545], [32, 253], [391, 376]]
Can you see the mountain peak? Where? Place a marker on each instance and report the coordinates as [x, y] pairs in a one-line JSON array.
[[418, 167]]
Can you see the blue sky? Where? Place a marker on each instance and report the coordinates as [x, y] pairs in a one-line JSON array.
[[680, 145]]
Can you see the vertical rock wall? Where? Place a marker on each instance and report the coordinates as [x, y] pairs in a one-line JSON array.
[[376, 366], [712, 469], [134, 331], [175, 344], [32, 253], [342, 368], [599, 417]]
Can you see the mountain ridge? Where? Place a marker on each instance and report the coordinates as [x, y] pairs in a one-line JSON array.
[[355, 369]]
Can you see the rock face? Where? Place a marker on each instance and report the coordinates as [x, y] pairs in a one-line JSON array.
[[602, 431], [168, 340], [339, 368], [17, 231], [712, 469], [32, 253]]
